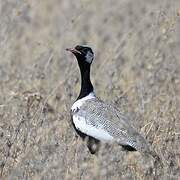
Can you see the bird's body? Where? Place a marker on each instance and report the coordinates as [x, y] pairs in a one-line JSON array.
[[97, 120], [104, 122]]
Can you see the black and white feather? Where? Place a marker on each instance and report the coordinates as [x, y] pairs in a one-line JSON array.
[[105, 123], [96, 119]]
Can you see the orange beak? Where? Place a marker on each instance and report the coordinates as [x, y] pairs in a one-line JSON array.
[[73, 50]]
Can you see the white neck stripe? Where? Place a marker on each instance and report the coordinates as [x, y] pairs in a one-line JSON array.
[[79, 102]]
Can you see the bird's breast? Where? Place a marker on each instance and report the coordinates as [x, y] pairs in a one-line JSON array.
[[98, 132]]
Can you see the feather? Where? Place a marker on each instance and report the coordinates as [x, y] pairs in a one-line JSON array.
[[105, 123]]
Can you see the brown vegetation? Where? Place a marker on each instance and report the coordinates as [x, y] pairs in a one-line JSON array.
[[137, 67]]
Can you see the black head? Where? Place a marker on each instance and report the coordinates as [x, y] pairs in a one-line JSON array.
[[84, 54]]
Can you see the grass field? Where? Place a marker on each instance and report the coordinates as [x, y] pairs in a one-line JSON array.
[[137, 68]]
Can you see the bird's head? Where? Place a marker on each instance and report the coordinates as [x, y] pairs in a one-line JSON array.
[[84, 54]]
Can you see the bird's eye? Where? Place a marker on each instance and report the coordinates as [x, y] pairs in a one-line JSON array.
[[85, 51]]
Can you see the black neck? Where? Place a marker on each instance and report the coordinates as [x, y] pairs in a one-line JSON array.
[[86, 85]]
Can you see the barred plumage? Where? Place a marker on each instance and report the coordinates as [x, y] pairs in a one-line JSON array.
[[97, 120], [104, 116]]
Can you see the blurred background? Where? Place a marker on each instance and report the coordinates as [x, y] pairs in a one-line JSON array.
[[137, 68]]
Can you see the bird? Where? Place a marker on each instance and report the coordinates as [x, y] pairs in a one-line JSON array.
[[98, 121]]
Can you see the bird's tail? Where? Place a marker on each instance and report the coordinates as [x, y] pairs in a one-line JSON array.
[[139, 143]]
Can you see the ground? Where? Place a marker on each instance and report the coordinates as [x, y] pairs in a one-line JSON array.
[[137, 68]]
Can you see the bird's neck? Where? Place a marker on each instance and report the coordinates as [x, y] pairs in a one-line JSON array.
[[86, 85]]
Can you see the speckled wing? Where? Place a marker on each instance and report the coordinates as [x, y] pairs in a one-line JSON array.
[[108, 121]]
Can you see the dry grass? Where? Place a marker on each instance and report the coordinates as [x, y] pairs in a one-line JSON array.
[[137, 68]]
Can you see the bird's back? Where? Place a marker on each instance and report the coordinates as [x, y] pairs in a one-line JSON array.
[[102, 116]]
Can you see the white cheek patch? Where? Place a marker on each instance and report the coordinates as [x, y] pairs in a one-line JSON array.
[[89, 57]]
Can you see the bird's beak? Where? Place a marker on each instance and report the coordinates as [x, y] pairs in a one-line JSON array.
[[73, 50]]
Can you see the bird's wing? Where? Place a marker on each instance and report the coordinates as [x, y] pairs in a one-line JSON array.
[[104, 122]]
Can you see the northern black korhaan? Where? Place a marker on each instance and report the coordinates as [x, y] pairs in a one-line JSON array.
[[96, 120]]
